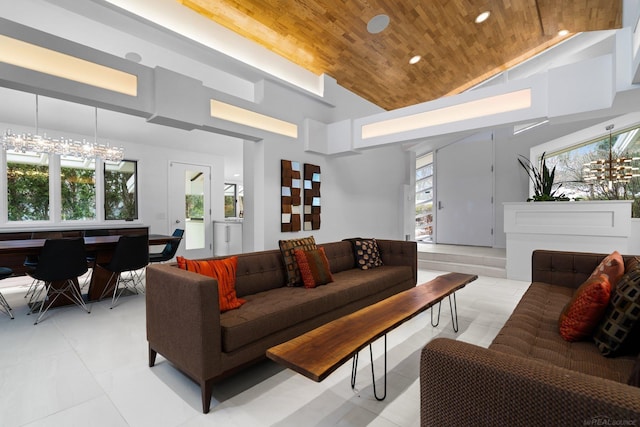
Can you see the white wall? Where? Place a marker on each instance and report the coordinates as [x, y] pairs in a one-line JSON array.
[[361, 194], [153, 177]]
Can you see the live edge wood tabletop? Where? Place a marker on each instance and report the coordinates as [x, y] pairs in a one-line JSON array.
[[321, 351]]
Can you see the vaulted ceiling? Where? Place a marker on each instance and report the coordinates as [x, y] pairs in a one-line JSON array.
[[330, 36]]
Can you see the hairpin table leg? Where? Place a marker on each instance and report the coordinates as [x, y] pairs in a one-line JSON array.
[[354, 371]]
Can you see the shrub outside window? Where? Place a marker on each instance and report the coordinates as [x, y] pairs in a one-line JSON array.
[[78, 189], [121, 190], [28, 186]]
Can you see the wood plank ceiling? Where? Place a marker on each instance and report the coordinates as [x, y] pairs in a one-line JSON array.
[[330, 36]]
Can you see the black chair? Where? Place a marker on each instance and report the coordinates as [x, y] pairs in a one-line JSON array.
[[131, 254], [4, 305], [61, 260], [170, 248], [31, 261], [91, 256]]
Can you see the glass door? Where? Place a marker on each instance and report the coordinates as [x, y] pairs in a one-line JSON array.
[[424, 199], [190, 208]]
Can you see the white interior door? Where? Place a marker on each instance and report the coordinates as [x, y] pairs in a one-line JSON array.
[[464, 192], [190, 208]]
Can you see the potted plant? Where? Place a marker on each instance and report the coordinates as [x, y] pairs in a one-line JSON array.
[[542, 180]]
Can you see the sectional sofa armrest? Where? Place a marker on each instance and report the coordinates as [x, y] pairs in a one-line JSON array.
[[399, 252], [463, 384], [183, 319]]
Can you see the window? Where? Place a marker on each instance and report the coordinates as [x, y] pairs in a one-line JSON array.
[[570, 163], [27, 186], [233, 201], [78, 189], [121, 190], [229, 200], [424, 198]]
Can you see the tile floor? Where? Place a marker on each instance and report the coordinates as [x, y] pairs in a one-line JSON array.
[[78, 369]]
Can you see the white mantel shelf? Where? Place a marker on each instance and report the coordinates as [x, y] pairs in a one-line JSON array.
[[587, 226]]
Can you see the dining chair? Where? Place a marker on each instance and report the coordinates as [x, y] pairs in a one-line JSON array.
[[31, 261], [92, 256], [170, 248], [130, 255], [4, 305], [61, 261]]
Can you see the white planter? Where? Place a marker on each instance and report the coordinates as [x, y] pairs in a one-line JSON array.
[[585, 226]]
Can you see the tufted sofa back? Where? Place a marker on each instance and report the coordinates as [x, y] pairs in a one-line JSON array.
[[556, 268], [261, 271]]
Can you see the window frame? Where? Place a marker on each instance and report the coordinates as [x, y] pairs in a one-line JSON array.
[[55, 198], [104, 194], [235, 199]]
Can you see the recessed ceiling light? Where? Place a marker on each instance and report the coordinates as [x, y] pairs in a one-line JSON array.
[[563, 33], [482, 17], [133, 56], [377, 24], [415, 59]]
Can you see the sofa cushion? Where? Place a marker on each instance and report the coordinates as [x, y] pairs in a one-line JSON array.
[[583, 312], [314, 267], [634, 378], [288, 247], [224, 271], [532, 332], [266, 313], [622, 315]]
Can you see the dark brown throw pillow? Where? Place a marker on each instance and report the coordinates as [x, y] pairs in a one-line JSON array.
[[367, 253], [621, 318]]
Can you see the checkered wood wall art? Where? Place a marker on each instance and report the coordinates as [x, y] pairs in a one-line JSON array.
[[311, 197], [291, 196]]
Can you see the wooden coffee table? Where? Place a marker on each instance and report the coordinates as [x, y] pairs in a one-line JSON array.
[[321, 351]]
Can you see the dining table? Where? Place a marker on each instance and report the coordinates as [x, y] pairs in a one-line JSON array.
[[102, 247]]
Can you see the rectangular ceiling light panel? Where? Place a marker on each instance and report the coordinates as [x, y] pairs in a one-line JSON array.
[[241, 116], [504, 103], [47, 61]]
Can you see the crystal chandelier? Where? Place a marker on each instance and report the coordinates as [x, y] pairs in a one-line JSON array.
[[35, 143], [611, 170]]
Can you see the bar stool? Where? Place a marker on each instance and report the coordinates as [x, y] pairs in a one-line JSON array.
[[4, 305]]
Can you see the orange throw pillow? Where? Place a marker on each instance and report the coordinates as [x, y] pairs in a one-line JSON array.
[[583, 313], [224, 270], [612, 266], [314, 267]]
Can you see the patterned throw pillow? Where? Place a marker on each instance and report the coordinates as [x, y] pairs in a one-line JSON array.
[[314, 267], [288, 247], [367, 253], [585, 310], [612, 266], [623, 313], [224, 270]]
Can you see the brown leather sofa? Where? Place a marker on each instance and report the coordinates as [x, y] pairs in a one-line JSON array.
[[185, 325], [529, 375]]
